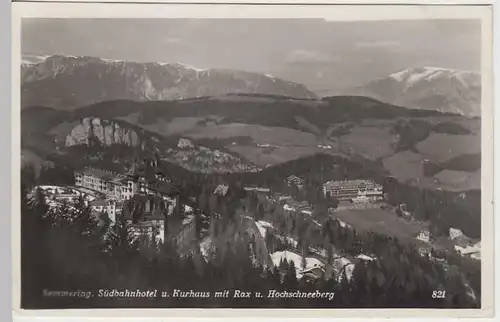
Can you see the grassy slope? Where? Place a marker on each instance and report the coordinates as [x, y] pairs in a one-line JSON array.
[[383, 222]]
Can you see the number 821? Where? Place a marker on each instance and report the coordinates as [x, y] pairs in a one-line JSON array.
[[439, 294]]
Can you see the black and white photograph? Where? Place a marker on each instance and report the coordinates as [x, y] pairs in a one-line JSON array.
[[251, 163]]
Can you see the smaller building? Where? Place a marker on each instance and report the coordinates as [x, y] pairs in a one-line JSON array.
[[342, 266], [282, 197], [156, 216], [455, 233], [293, 180], [472, 251], [185, 143], [343, 224], [365, 258], [221, 190], [424, 235], [425, 252], [154, 228], [146, 215], [313, 274]]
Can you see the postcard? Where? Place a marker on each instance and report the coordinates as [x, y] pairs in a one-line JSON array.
[[229, 160]]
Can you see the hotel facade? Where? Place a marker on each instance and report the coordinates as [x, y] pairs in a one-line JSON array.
[[150, 179], [349, 190]]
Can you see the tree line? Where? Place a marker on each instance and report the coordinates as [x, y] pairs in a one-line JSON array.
[[73, 251]]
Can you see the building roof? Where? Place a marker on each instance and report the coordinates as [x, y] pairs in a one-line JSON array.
[[455, 232], [294, 178], [98, 173], [425, 231], [99, 202], [165, 188], [356, 182], [364, 257], [315, 270], [469, 249], [258, 189], [119, 179], [140, 199], [185, 143]]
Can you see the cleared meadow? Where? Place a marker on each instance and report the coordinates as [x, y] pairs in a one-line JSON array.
[[383, 222]]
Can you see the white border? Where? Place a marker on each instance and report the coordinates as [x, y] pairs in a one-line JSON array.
[[287, 2], [344, 12]]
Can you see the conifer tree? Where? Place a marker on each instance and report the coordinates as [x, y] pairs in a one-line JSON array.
[[120, 241], [290, 280]]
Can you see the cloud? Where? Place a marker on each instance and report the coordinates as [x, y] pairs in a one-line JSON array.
[[377, 44], [306, 56]]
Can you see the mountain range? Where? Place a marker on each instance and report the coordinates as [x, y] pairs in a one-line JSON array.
[[67, 82], [444, 90]]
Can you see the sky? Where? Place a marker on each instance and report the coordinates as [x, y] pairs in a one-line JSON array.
[[326, 56]]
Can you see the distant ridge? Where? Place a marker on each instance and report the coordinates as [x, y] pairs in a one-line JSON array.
[[429, 88], [68, 82]]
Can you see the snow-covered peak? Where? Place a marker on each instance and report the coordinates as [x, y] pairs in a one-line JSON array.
[[429, 88], [108, 60], [184, 66], [412, 76]]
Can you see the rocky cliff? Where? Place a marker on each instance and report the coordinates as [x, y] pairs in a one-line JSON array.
[[105, 132], [93, 131]]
